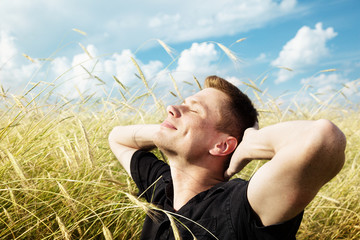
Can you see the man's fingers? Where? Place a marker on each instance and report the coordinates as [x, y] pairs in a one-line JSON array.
[[227, 175], [235, 167]]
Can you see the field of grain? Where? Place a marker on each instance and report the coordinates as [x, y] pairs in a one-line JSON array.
[[59, 179]]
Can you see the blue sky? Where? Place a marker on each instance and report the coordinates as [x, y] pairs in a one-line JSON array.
[[305, 36]]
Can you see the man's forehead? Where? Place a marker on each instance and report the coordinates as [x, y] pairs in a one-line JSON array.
[[206, 91], [210, 94], [210, 98]]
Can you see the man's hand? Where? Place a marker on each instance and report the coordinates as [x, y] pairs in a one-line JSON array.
[[239, 158], [125, 140], [242, 154]]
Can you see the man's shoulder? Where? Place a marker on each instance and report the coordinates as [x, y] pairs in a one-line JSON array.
[[235, 191], [227, 190], [236, 183], [145, 157], [146, 167], [142, 153]]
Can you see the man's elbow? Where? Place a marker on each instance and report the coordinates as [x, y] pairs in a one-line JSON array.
[[333, 144], [113, 135]]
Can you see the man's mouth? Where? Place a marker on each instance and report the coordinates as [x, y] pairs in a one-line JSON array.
[[168, 125]]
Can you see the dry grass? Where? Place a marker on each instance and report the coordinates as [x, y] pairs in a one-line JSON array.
[[59, 179]]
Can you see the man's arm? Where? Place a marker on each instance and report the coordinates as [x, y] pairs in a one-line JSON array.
[[125, 140], [304, 156]]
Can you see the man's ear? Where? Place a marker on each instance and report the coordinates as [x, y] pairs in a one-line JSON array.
[[225, 147]]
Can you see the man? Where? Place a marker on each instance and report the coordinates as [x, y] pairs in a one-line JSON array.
[[209, 138]]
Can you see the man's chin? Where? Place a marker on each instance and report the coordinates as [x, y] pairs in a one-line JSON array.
[[159, 139], [165, 147]]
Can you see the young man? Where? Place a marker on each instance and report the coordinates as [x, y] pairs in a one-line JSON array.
[[208, 139]]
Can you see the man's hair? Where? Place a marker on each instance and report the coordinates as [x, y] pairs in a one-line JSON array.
[[240, 113]]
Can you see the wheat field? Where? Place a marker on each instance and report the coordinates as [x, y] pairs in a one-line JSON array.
[[59, 179]]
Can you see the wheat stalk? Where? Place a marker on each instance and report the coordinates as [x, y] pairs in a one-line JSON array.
[[107, 233], [65, 233], [89, 152], [86, 51], [176, 87], [79, 31], [16, 166], [67, 197]]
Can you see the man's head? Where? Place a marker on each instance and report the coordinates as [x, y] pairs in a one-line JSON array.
[[239, 114], [208, 123]]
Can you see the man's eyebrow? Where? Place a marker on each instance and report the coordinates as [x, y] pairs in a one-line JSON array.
[[193, 102], [187, 101]]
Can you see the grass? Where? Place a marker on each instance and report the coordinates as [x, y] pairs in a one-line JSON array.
[[59, 179]]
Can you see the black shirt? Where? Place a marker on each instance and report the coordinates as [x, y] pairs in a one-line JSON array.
[[222, 212]]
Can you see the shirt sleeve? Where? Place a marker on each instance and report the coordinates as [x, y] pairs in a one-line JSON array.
[[147, 171], [249, 226]]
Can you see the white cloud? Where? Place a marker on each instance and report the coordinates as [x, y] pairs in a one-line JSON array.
[[234, 80], [124, 69], [262, 57], [352, 89], [77, 73], [326, 84], [7, 50], [284, 75], [164, 20], [305, 49], [333, 87], [126, 24], [287, 4], [199, 59], [15, 70], [217, 18], [119, 65], [60, 66]]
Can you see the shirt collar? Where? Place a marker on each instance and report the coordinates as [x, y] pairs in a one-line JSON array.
[[169, 191]]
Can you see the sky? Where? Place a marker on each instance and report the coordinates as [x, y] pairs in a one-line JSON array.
[[279, 46]]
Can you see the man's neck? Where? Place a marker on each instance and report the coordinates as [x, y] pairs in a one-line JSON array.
[[190, 180]]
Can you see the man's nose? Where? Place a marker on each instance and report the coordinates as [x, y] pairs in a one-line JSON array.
[[173, 111]]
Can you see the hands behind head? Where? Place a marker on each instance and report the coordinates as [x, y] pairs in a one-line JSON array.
[[240, 157]]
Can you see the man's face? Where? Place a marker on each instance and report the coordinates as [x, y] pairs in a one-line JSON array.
[[190, 130]]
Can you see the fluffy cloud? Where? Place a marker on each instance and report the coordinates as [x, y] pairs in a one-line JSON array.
[[199, 59], [15, 72], [352, 90], [82, 73], [327, 85], [85, 71], [261, 58], [60, 66], [305, 49], [217, 18], [7, 49], [128, 25], [234, 80]]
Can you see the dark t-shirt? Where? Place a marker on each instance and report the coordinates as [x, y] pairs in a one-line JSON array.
[[222, 212]]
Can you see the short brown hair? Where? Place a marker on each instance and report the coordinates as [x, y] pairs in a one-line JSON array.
[[240, 114]]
